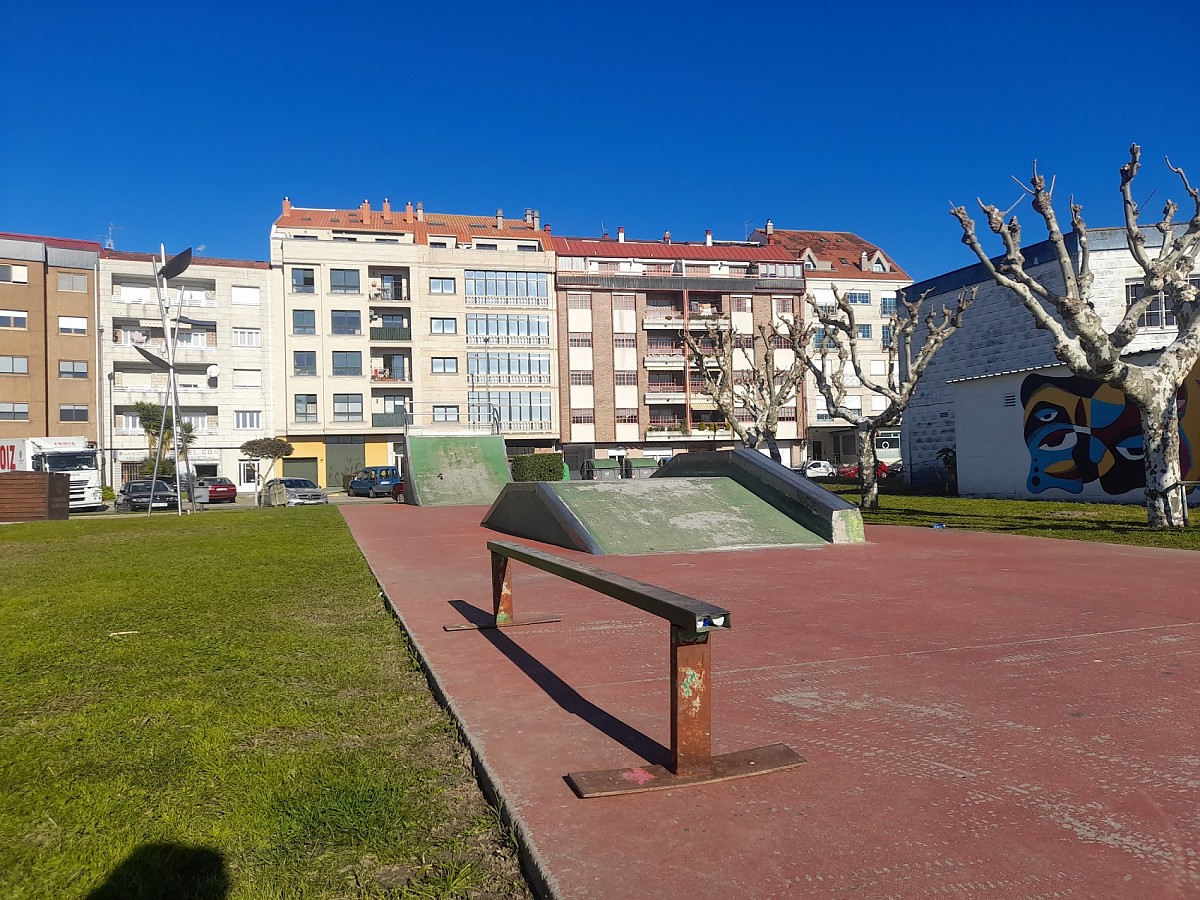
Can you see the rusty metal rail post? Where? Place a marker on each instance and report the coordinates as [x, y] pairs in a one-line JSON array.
[[691, 622]]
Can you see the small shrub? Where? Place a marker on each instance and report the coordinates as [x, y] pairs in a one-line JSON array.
[[537, 467]]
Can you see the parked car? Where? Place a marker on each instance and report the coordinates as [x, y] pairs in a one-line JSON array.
[[882, 470], [398, 491], [816, 468], [220, 490], [297, 491], [146, 494], [373, 481]]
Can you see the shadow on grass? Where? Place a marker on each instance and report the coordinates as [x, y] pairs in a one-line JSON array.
[[562, 693], [165, 871]]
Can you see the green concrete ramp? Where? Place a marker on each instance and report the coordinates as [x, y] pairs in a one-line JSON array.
[[455, 470]]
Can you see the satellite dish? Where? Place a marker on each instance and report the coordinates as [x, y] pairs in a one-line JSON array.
[[213, 371]]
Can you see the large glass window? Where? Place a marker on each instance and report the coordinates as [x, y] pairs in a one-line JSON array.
[[343, 281], [304, 281], [535, 365], [247, 337], [247, 419], [510, 406], [306, 407], [346, 321], [304, 362], [506, 325], [347, 362], [304, 321], [512, 285], [859, 298], [347, 407]]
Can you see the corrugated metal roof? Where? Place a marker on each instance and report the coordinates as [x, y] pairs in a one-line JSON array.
[[196, 260], [63, 243]]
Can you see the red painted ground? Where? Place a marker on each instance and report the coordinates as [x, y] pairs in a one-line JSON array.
[[982, 715]]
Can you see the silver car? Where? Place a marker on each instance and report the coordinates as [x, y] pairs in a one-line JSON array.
[[296, 492]]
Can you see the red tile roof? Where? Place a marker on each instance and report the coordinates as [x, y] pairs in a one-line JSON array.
[[63, 243], [464, 229], [833, 247], [196, 260], [612, 249]]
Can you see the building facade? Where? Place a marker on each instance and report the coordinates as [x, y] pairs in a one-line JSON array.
[[223, 356], [629, 389], [872, 283], [49, 382], [389, 320]]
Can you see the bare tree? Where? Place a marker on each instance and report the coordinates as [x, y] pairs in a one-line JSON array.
[[1081, 340], [828, 346], [756, 391]]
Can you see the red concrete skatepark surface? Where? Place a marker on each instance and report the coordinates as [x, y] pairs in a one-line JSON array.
[[981, 715]]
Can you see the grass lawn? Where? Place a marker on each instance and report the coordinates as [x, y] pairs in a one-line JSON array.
[[1102, 522], [217, 706]]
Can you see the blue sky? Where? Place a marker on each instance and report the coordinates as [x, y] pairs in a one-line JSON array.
[[187, 124]]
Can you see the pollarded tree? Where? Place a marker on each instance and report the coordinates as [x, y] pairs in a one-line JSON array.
[[266, 448], [1081, 339], [828, 347], [756, 391]]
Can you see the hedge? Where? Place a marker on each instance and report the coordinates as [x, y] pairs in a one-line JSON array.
[[537, 467]]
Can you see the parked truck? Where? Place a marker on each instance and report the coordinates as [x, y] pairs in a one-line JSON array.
[[73, 455]]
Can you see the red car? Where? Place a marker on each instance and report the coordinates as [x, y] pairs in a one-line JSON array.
[[220, 490], [851, 471], [398, 490]]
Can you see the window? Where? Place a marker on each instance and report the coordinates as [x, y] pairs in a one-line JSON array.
[[73, 412], [441, 285], [394, 403], [344, 281], [445, 414], [75, 284], [784, 306], [741, 304], [14, 274], [629, 341], [582, 378], [1157, 315], [626, 416], [14, 365], [247, 337], [347, 362], [821, 339], [527, 366], [580, 339], [579, 301], [247, 419], [528, 248], [864, 332], [510, 407], [304, 321], [14, 412], [507, 285], [347, 407], [623, 301], [885, 336], [525, 328], [445, 365], [485, 247], [859, 298], [244, 296], [787, 414], [887, 305], [438, 245], [878, 265], [247, 378], [306, 407], [19, 318], [392, 320], [583, 417], [304, 362], [443, 326], [72, 325], [72, 368], [625, 378], [346, 321], [304, 281], [198, 420]]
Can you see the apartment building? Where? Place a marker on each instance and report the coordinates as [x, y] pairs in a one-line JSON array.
[[871, 281], [628, 386], [219, 310], [48, 337], [397, 319]]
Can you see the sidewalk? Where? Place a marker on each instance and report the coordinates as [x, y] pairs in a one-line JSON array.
[[981, 714]]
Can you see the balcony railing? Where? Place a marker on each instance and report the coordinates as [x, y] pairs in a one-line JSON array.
[[391, 420], [390, 375], [389, 295], [508, 340], [481, 378], [665, 394], [391, 333], [488, 300]]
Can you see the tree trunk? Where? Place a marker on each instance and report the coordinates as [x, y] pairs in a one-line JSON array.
[[1160, 439], [867, 484], [774, 447]]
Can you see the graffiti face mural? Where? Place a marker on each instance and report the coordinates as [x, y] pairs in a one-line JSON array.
[[1080, 431]]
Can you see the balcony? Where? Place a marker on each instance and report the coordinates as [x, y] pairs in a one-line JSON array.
[[665, 394], [391, 334], [663, 358], [391, 420], [488, 300], [508, 340], [390, 376], [389, 295], [480, 378]]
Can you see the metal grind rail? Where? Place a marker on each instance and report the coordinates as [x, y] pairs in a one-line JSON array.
[[691, 622]]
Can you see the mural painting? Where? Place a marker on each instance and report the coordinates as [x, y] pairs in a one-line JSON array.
[[1080, 431]]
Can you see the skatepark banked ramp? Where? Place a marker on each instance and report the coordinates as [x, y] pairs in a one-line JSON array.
[[697, 501], [455, 470]]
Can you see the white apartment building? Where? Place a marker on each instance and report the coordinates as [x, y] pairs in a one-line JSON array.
[[394, 319], [222, 361], [872, 282]]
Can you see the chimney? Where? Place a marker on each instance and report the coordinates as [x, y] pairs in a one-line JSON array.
[[666, 237], [287, 205], [604, 237], [364, 211], [528, 216], [387, 206], [420, 211], [537, 220], [546, 228], [499, 219], [770, 232], [863, 261], [707, 237], [620, 234]]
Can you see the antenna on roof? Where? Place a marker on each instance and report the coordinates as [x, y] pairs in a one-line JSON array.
[[108, 242], [746, 225]]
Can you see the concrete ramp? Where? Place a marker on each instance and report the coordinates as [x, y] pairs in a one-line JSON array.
[[455, 470]]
